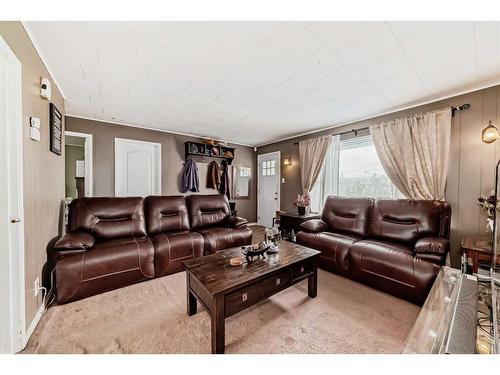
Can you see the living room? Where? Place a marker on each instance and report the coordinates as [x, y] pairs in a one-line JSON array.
[[250, 184]]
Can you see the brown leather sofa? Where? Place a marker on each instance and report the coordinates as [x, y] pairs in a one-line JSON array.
[[114, 242], [397, 246]]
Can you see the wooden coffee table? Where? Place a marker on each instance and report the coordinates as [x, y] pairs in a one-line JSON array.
[[224, 290]]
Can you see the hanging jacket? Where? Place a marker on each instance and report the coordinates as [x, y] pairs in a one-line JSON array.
[[213, 175], [190, 180], [224, 187]]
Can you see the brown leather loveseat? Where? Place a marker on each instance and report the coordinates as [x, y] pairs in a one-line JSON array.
[[397, 246], [114, 242]]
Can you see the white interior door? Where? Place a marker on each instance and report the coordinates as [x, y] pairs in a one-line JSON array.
[[12, 318], [269, 187], [137, 168]]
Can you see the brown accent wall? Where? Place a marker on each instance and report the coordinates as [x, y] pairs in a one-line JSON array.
[[172, 153], [472, 162], [43, 170]]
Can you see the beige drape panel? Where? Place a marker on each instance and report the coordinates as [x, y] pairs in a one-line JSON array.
[[312, 153], [414, 152]]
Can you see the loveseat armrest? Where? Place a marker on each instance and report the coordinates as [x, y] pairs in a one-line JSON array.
[[75, 241], [234, 222], [432, 245], [314, 226]]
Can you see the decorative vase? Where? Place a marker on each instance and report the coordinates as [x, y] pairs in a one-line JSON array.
[[302, 210]]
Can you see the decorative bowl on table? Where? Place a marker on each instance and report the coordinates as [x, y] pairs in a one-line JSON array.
[[257, 250]]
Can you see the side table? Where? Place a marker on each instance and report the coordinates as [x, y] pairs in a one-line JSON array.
[[477, 248]]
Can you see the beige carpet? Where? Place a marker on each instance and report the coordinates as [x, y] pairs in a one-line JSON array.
[[150, 317]]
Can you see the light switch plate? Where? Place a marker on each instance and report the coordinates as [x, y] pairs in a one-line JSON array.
[[35, 122], [35, 134], [283, 180]]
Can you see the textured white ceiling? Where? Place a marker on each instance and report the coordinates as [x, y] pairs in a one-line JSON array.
[[256, 82]]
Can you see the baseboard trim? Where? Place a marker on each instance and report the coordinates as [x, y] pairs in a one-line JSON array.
[[253, 224], [33, 324]]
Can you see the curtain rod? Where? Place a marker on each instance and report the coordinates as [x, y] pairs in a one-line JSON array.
[[355, 131]]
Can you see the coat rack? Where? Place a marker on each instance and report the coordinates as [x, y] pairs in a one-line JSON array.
[[204, 151]]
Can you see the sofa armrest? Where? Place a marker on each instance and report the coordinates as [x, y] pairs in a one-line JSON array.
[[314, 226], [234, 222], [432, 245], [75, 241]]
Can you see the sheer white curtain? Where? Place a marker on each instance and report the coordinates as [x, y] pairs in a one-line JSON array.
[[414, 152], [328, 180]]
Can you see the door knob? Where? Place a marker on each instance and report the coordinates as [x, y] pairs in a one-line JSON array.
[[13, 221]]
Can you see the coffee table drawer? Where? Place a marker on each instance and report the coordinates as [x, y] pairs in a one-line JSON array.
[[243, 298], [277, 282], [301, 269]]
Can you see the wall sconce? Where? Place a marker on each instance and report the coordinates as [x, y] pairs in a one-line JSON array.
[[490, 134], [287, 161]]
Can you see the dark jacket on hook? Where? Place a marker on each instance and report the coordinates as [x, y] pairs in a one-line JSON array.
[[224, 187], [213, 175], [190, 180]]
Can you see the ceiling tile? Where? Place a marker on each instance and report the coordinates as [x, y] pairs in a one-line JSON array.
[[118, 36], [319, 64], [373, 46], [337, 35], [385, 68], [341, 79]]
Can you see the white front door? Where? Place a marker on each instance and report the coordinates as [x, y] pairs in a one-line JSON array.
[[12, 317], [269, 187], [137, 168]]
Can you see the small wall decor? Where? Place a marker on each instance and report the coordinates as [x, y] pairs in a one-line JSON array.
[[55, 124]]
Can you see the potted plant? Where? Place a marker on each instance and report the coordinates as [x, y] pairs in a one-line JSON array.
[[302, 201]]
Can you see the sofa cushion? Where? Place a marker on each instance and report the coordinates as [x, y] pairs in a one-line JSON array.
[[171, 249], [405, 220], [393, 268], [347, 215], [108, 218], [166, 214], [108, 265], [207, 210], [221, 238], [334, 248]]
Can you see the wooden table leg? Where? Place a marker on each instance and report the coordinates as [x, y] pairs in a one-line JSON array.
[[192, 303], [312, 282], [475, 262], [218, 326]]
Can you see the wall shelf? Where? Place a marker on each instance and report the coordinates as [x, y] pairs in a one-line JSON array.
[[202, 150]]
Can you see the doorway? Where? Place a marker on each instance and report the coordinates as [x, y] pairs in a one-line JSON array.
[[12, 285], [268, 193], [78, 164]]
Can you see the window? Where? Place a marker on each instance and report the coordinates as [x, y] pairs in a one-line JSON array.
[[352, 169], [269, 168]]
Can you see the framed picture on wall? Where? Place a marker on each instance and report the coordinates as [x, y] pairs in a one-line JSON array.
[[55, 124]]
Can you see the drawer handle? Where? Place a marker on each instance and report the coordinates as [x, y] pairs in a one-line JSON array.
[[302, 269], [244, 297], [278, 281]]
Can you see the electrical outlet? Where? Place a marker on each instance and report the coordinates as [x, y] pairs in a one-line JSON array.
[[36, 286]]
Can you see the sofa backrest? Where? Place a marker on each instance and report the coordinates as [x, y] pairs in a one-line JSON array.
[[166, 214], [406, 221], [347, 215], [108, 218], [207, 210]]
